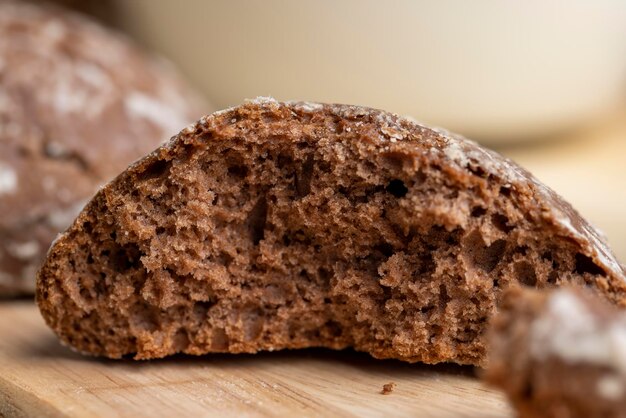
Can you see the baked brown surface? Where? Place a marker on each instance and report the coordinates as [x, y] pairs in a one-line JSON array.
[[559, 354], [271, 226], [78, 103]]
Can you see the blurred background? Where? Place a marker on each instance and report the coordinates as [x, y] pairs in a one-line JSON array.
[[543, 82]]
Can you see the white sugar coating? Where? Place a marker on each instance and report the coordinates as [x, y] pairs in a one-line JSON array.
[[93, 75], [305, 106], [393, 134], [23, 250], [8, 179], [54, 30], [140, 105], [55, 149], [456, 153], [61, 219], [569, 331], [262, 100], [217, 113], [611, 387], [67, 98]]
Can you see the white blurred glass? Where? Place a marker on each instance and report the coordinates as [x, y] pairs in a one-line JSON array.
[[496, 70]]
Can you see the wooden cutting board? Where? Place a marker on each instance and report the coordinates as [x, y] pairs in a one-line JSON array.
[[41, 378]]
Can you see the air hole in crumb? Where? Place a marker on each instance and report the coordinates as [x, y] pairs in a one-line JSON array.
[[238, 172], [125, 258], [180, 340], [325, 276], [477, 171], [481, 255], [478, 211], [154, 169], [547, 255], [505, 191], [304, 176], [585, 264], [144, 317], [444, 298], [87, 227], [397, 188], [385, 249], [201, 309], [283, 161], [552, 277], [225, 259], [219, 339], [188, 151], [525, 273], [333, 329], [426, 309], [501, 222], [257, 219], [253, 325]]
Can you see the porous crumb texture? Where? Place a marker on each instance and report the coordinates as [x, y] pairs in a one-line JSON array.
[[78, 103], [273, 226], [559, 354]]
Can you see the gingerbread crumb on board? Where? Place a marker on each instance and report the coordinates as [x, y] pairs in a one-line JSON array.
[[388, 388]]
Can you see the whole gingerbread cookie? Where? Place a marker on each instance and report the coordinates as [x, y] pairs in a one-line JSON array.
[[78, 103]]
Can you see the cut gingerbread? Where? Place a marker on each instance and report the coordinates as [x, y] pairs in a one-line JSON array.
[[276, 226]]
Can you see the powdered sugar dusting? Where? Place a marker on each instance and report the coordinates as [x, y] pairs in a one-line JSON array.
[[61, 219], [24, 250], [456, 153], [569, 331], [262, 100], [140, 105], [306, 106], [611, 387], [8, 179]]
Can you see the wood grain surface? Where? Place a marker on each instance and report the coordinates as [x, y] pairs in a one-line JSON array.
[[41, 378]]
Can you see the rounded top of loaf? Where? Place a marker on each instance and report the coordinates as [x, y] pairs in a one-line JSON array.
[[459, 154], [78, 103]]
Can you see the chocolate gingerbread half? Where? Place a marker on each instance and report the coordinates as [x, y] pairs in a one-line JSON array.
[[286, 225]]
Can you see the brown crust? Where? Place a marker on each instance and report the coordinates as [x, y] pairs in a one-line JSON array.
[[78, 103], [379, 133]]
